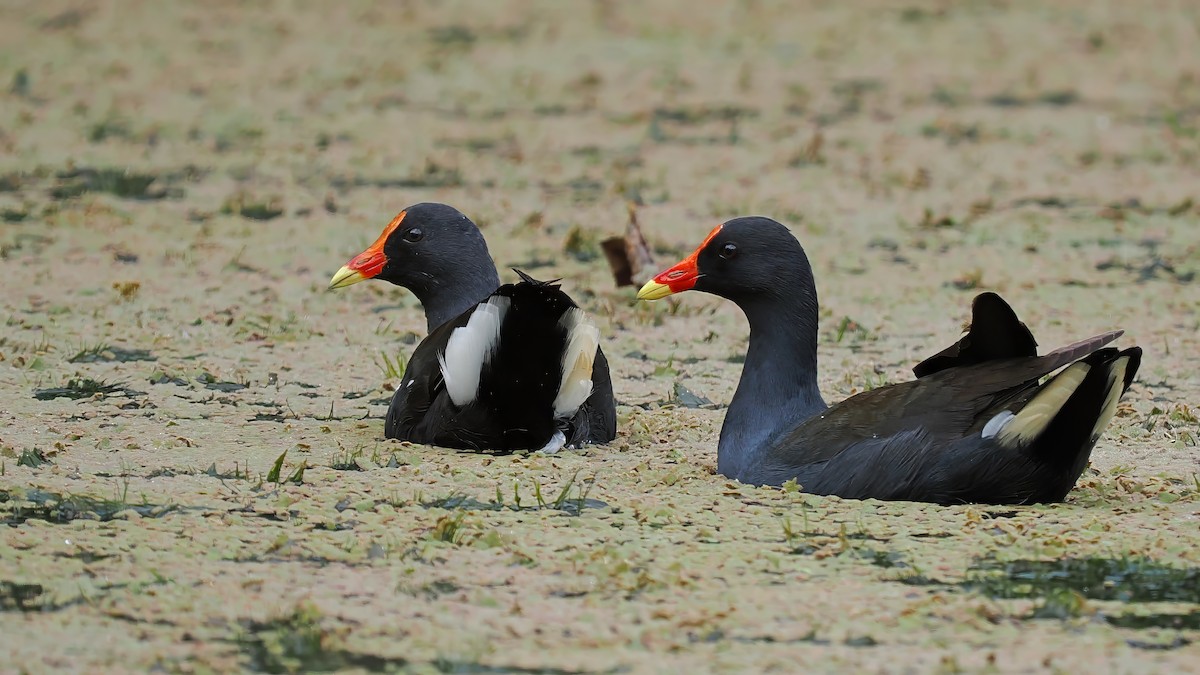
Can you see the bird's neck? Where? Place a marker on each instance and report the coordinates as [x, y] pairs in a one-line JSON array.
[[778, 387], [443, 302]]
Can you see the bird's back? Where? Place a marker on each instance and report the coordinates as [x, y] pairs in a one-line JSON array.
[[505, 375]]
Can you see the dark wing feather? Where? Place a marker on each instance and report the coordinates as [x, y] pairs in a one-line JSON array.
[[422, 411], [995, 333], [422, 387], [924, 464], [946, 404], [915, 465], [513, 409], [553, 283]]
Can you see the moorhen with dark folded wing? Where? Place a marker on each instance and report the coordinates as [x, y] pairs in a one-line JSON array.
[[977, 425]]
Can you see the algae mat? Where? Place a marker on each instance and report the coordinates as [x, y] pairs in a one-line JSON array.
[[193, 476]]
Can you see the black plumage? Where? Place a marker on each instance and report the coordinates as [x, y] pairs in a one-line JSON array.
[[440, 255], [995, 333], [977, 425]]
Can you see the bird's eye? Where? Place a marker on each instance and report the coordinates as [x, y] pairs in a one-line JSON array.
[[413, 235], [728, 251]]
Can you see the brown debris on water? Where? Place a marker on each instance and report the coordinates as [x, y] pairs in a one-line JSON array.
[[629, 256]]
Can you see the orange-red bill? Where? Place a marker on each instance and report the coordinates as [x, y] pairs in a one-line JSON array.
[[368, 263], [371, 261], [679, 277]]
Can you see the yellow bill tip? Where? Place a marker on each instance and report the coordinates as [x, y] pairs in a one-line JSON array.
[[654, 291], [345, 277]]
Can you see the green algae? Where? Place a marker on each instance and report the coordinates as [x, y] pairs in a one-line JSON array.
[[20, 597], [84, 387], [18, 506], [904, 185], [1127, 580]]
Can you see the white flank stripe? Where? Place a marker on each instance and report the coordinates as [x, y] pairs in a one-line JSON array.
[[1116, 383], [470, 347], [1036, 415], [583, 339]]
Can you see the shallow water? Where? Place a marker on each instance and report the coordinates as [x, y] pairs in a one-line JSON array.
[[191, 456]]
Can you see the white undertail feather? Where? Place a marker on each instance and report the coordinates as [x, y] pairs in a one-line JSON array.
[[1112, 396], [997, 423], [470, 347], [583, 339], [556, 443], [1032, 420]]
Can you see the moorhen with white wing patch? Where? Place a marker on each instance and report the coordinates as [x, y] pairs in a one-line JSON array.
[[504, 368]]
